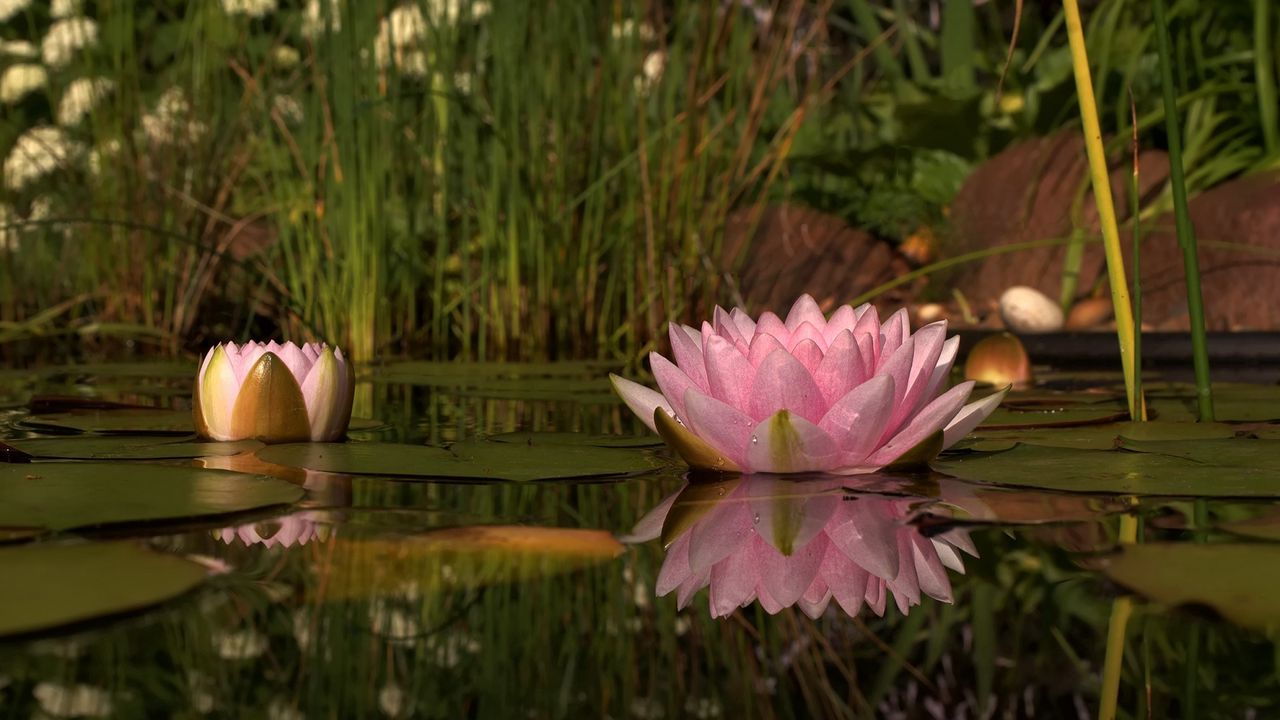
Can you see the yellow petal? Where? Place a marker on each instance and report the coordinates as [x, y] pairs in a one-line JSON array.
[[270, 407], [692, 448], [211, 406]]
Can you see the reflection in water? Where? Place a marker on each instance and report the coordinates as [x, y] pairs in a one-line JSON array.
[[296, 529], [786, 542]]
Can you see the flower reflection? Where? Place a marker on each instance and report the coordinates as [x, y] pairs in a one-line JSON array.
[[785, 543], [296, 529]]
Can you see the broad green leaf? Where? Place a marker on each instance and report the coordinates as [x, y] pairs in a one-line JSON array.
[[126, 447], [65, 496], [1006, 418], [1097, 437], [572, 438], [477, 460], [146, 422], [1116, 471], [1236, 579], [48, 586]]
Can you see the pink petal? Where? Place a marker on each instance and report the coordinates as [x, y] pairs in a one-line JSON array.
[[876, 595], [675, 567], [942, 370], [906, 586], [929, 569], [948, 556], [783, 383], [672, 381], [846, 581], [809, 355], [726, 328], [724, 427], [729, 373], [857, 420], [784, 577], [688, 356], [960, 540], [928, 346], [841, 320], [868, 536], [767, 601], [815, 608], [867, 332], [808, 331], [746, 326], [733, 581], [898, 367], [641, 400], [785, 443], [762, 346], [894, 332], [724, 530], [841, 368], [770, 324], [934, 417], [295, 360], [690, 587], [805, 310], [970, 417]]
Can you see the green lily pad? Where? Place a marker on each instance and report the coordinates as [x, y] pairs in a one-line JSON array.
[[477, 460], [1232, 402], [158, 370], [1097, 437], [1265, 526], [126, 447], [1233, 579], [1006, 418], [572, 438], [48, 586], [1117, 471], [65, 496], [148, 422], [1243, 453]]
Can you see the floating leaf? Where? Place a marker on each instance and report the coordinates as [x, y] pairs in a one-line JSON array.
[[1265, 526], [1097, 437], [478, 460], [149, 422], [475, 556], [63, 496], [1006, 418], [1113, 471], [572, 438], [166, 370], [126, 447], [1233, 579], [47, 586]]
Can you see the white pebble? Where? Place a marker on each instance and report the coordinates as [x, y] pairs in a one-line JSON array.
[[1027, 310]]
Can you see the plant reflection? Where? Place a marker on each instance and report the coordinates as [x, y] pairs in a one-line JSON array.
[[296, 529], [785, 542]]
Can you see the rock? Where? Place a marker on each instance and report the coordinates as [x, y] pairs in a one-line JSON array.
[[779, 252], [930, 312], [1089, 313], [1000, 360], [1026, 193], [1027, 310]]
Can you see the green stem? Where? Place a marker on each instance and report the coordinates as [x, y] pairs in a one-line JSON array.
[[1121, 609], [1102, 194], [1262, 42], [1186, 234]]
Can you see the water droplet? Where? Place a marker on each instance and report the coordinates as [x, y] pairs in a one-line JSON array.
[[720, 491], [754, 440], [756, 518]]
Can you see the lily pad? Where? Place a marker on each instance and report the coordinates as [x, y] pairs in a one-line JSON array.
[[1230, 578], [476, 460], [1098, 437], [1044, 417], [1265, 526], [475, 556], [148, 422], [572, 438], [48, 586], [126, 447], [65, 496], [1115, 471]]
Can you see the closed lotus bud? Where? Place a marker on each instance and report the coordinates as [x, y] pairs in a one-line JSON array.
[[273, 393], [1000, 360]]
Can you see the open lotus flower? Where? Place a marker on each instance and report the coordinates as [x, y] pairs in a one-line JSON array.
[[273, 393], [760, 537], [846, 395]]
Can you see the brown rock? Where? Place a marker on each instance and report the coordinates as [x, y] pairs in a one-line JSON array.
[[1030, 192], [1237, 226], [1089, 313], [776, 253]]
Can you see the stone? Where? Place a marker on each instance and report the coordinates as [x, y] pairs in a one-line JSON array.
[[1089, 313], [778, 252], [1027, 310]]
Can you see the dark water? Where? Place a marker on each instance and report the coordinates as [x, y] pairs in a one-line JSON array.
[[378, 597]]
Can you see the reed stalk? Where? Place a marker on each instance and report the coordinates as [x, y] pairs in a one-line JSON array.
[[1182, 217], [1102, 197]]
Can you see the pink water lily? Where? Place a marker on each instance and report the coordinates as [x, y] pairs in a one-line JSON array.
[[783, 543], [273, 393], [296, 529], [845, 395]]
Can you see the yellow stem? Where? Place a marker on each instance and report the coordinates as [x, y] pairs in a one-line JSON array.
[[1102, 197]]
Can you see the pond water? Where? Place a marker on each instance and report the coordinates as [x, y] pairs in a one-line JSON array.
[[556, 561]]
